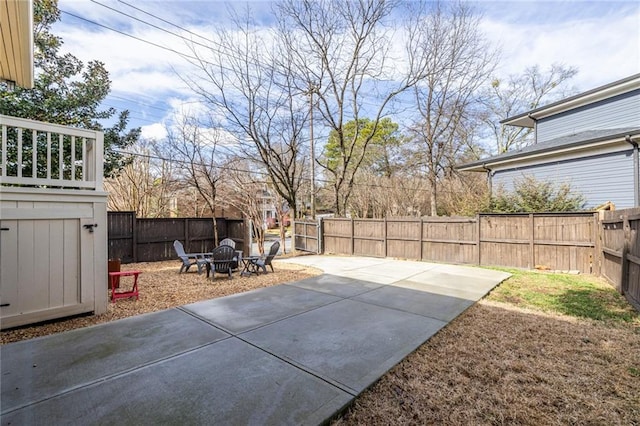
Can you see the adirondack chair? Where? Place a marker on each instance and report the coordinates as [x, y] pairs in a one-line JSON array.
[[221, 261], [198, 258], [264, 261], [229, 242]]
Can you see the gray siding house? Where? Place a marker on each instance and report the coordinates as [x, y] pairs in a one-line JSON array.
[[589, 140]]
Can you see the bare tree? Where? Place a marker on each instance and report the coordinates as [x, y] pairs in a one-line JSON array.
[[381, 196], [281, 214], [458, 61], [249, 86], [246, 192], [143, 186], [520, 93], [464, 194], [342, 55], [195, 149]]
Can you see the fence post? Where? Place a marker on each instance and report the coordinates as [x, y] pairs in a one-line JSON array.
[[186, 236], [353, 237], [478, 227], [421, 233], [134, 236], [384, 236], [598, 255], [320, 235], [247, 242], [532, 257], [624, 276]]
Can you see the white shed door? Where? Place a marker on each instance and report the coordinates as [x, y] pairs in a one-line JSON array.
[[39, 267]]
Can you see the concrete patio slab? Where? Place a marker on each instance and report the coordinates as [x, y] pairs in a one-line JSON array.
[[348, 343], [459, 292], [229, 382], [478, 285], [470, 271], [245, 311], [60, 363], [333, 264], [289, 354], [336, 285], [432, 305]]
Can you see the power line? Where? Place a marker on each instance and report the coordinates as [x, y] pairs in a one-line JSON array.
[[261, 173], [132, 114], [165, 21], [219, 52], [137, 102], [132, 36], [147, 23]]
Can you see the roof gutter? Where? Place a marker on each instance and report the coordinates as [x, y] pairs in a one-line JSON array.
[[636, 171], [478, 165]]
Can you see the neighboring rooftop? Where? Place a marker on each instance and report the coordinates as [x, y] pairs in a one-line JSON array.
[[528, 119], [562, 143]]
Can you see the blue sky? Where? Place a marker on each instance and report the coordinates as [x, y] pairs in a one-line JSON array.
[[600, 38]]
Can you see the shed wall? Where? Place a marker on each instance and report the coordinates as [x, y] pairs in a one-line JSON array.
[[51, 265]]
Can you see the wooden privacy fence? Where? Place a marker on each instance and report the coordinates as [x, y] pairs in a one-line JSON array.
[[621, 252], [560, 241], [604, 243], [134, 239]]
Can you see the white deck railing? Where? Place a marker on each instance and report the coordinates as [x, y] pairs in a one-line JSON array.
[[41, 154]]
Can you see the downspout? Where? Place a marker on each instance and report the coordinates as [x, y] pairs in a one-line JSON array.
[[535, 128], [636, 171], [489, 178]]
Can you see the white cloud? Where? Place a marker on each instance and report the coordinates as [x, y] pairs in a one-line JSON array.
[[604, 47], [601, 38], [155, 131]]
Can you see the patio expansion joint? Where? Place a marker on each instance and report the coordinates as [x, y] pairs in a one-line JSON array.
[[265, 324], [301, 367], [238, 335], [112, 376], [380, 305]]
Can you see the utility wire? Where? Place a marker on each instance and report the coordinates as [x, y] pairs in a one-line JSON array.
[[133, 37], [166, 22], [136, 102], [183, 55], [257, 172], [148, 23]]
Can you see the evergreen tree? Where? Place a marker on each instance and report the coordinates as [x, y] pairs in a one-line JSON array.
[[67, 92]]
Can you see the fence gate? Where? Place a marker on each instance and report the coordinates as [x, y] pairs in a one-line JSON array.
[[306, 235]]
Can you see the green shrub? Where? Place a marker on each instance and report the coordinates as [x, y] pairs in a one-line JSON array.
[[534, 196]]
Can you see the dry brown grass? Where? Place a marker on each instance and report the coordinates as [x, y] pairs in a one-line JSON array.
[[161, 287], [498, 364]]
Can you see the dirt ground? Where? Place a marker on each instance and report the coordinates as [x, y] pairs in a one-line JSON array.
[[496, 364]]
